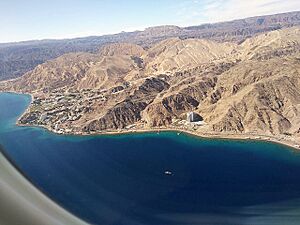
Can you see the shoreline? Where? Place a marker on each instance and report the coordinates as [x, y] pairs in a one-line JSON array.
[[228, 136], [238, 137], [23, 198]]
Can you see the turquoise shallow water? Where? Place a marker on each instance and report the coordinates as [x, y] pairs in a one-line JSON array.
[[121, 179]]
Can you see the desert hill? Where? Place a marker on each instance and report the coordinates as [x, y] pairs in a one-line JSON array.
[[175, 54], [276, 43], [122, 49], [251, 87], [18, 58]]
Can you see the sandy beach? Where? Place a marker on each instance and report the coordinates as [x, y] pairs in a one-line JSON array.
[[256, 137], [291, 142], [22, 203], [287, 141]]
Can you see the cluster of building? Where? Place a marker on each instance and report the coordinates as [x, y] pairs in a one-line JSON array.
[[62, 111], [192, 122], [57, 111]]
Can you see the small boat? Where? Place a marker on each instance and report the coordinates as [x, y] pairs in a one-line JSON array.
[[168, 172]]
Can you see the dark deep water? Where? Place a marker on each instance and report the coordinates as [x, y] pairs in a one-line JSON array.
[[120, 180]]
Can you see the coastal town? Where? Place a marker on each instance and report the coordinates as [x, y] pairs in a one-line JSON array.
[[150, 112], [57, 110], [60, 110]]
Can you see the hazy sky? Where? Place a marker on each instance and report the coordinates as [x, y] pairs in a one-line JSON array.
[[40, 19]]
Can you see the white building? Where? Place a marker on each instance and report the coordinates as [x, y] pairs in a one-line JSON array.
[[192, 117]]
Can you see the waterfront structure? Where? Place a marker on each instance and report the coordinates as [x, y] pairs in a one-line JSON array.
[[193, 117]]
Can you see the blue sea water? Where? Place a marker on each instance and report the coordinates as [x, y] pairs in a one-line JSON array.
[[121, 180]]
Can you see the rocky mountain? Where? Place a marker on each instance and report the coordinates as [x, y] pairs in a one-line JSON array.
[[122, 49], [18, 58], [176, 54], [253, 86], [79, 71], [272, 44], [258, 97]]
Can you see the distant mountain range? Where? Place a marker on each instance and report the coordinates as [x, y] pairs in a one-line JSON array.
[[18, 58], [241, 88], [242, 77]]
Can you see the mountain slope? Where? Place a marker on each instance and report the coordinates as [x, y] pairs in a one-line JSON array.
[[257, 97], [251, 87], [18, 58], [175, 54]]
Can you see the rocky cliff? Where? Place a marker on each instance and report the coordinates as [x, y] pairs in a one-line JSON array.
[[238, 88]]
